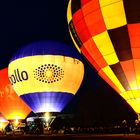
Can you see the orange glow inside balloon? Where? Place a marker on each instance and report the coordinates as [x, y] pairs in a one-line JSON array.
[[11, 105]]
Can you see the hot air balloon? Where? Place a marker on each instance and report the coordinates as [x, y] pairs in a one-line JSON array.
[[107, 33], [46, 75], [11, 106]]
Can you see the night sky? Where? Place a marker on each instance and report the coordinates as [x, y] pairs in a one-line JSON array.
[[25, 21]]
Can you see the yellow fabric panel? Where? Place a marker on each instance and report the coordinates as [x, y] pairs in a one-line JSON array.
[[105, 47], [133, 85], [139, 91], [73, 74], [107, 70], [69, 14], [135, 104], [138, 83], [114, 15], [103, 43], [136, 93], [130, 94], [107, 2], [111, 59], [137, 74], [125, 95]]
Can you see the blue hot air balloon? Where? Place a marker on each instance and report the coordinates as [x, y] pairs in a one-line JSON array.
[[46, 75]]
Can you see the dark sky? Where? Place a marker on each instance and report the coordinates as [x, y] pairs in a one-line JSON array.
[[25, 21]]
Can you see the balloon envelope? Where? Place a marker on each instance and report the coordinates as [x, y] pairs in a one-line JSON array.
[[46, 75], [107, 33], [11, 106]]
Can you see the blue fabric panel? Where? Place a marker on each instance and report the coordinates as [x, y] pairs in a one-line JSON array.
[[46, 101], [47, 48]]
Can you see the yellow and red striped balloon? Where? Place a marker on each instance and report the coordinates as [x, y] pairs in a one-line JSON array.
[[107, 33]]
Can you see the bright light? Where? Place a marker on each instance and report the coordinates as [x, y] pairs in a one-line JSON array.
[[1, 125], [48, 73], [16, 122], [47, 116]]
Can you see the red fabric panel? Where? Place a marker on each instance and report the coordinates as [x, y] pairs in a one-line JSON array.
[[136, 53], [85, 35], [89, 58], [77, 16], [94, 53], [134, 34], [128, 68], [90, 6], [83, 2], [94, 20]]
